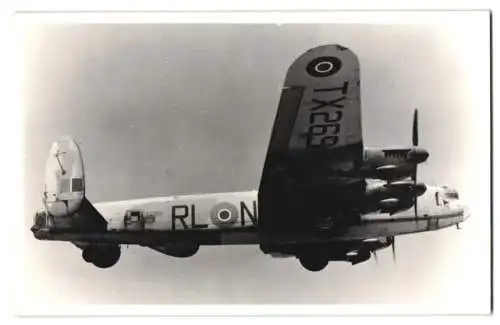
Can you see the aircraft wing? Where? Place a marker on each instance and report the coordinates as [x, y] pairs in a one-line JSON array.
[[317, 132]]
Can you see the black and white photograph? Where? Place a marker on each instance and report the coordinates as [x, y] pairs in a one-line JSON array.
[[334, 160]]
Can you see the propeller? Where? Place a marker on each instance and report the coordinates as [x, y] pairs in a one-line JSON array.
[[393, 247], [414, 172], [415, 143], [415, 128]]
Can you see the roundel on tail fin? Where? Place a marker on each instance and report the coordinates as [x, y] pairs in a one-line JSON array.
[[64, 178]]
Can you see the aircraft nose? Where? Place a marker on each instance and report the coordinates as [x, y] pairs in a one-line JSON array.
[[466, 213], [418, 155]]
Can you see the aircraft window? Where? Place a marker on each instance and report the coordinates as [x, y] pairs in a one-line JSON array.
[[77, 184], [437, 198], [135, 213], [452, 195], [132, 217]]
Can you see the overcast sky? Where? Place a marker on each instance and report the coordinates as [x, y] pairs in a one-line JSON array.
[[178, 109]]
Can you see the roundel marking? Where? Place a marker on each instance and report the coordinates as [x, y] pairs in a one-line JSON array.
[[224, 215], [324, 66]]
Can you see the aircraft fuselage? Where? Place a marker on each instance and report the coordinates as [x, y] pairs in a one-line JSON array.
[[232, 218]]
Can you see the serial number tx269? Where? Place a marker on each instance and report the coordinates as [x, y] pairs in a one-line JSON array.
[[325, 117]]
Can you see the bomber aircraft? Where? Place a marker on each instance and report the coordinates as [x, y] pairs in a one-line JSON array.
[[323, 196]]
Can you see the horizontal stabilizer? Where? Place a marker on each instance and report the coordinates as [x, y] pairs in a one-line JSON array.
[[89, 219]]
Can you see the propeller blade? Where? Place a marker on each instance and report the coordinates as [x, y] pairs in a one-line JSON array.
[[393, 246], [416, 208], [415, 128], [414, 172], [415, 143], [375, 256]]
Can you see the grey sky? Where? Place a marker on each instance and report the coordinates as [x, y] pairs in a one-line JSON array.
[[177, 109]]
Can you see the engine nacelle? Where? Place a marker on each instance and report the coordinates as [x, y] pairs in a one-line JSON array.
[[374, 244], [393, 205], [392, 197], [389, 204], [407, 187], [179, 250]]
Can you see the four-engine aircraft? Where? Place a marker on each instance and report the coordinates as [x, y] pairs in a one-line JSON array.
[[323, 195]]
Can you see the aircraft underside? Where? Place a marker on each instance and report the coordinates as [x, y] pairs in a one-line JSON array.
[[355, 243], [104, 250], [316, 200]]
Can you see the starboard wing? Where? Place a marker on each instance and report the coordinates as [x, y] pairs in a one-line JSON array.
[[317, 130], [319, 111]]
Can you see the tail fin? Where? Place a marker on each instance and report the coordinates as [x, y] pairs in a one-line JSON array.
[[64, 178]]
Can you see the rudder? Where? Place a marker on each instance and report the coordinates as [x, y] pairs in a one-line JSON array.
[[64, 178]]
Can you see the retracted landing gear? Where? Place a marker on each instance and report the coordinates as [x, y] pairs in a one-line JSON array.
[[314, 259], [313, 263], [102, 256]]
